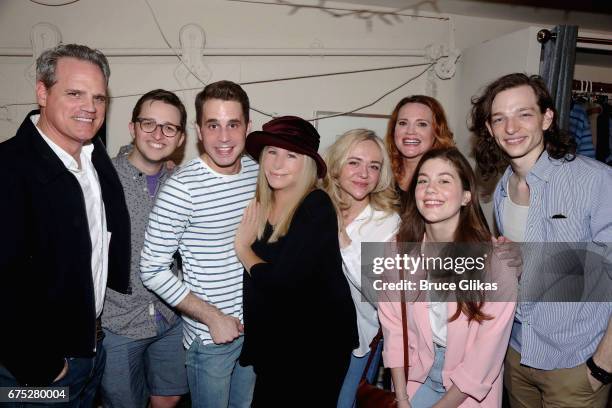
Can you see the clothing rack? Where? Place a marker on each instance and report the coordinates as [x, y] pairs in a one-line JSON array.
[[593, 87]]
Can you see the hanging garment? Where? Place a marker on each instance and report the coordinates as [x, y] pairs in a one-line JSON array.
[[580, 128], [603, 133], [593, 110]]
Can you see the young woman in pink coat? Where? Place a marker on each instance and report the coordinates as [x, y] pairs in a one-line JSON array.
[[456, 348]]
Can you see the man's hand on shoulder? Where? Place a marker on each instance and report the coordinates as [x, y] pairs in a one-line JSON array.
[[510, 252]]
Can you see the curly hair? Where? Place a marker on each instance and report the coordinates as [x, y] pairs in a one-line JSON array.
[[490, 158], [383, 197], [443, 137]]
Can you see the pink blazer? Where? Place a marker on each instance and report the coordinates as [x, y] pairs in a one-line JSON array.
[[474, 353]]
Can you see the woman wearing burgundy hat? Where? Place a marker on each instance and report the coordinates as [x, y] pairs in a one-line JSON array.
[[300, 325]]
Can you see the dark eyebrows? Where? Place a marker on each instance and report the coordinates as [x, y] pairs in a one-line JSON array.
[[159, 123], [416, 120], [523, 109], [214, 120], [439, 174]]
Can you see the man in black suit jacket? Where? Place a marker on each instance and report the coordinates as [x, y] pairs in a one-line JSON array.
[[65, 230]]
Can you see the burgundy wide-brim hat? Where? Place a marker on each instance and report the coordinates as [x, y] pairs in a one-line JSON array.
[[290, 133]]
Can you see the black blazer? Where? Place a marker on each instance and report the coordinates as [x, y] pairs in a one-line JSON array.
[[47, 306]]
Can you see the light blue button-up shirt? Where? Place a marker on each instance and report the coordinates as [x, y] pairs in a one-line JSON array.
[[562, 335]]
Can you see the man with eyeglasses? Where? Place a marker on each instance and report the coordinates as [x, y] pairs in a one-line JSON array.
[[197, 212], [143, 336]]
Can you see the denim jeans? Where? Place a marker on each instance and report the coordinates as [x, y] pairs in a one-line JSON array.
[[348, 393], [432, 390], [216, 379], [83, 378]]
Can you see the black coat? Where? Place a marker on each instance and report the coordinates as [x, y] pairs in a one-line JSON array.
[[47, 306], [299, 317]]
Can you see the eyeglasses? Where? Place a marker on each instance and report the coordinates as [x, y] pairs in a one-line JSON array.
[[149, 126]]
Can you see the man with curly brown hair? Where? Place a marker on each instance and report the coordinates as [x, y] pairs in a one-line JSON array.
[[560, 354]]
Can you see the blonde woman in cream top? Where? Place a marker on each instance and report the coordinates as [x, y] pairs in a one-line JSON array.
[[360, 183]]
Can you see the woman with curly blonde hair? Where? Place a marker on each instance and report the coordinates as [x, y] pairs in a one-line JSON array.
[[361, 185]]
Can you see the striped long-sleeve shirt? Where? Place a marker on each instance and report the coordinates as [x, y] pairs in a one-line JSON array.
[[197, 212], [569, 202]]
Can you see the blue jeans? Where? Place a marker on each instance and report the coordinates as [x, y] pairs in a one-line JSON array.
[[216, 379], [348, 393], [432, 390], [139, 368], [83, 378]]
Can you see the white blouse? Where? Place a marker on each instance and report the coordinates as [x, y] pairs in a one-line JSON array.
[[369, 226]]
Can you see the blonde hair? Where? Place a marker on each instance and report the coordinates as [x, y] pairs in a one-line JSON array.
[[265, 197], [384, 196]]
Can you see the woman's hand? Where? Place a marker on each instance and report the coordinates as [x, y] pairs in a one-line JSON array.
[[247, 230], [246, 234]]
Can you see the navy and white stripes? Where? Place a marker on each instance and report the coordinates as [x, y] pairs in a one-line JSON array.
[[197, 212]]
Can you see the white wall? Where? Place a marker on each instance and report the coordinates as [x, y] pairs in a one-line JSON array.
[[593, 73], [118, 24]]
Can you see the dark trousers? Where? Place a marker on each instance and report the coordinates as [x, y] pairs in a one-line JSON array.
[[83, 379], [302, 382]]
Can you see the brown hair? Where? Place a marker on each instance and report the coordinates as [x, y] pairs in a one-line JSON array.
[[490, 158], [226, 91], [443, 137], [472, 227], [164, 96]]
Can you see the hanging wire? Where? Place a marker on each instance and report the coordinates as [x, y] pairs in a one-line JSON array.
[[427, 65], [43, 3], [384, 95]]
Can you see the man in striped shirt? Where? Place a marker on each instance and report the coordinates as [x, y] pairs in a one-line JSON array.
[[560, 354], [197, 212]]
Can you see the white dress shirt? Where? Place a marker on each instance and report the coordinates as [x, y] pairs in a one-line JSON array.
[[369, 226], [87, 177]]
